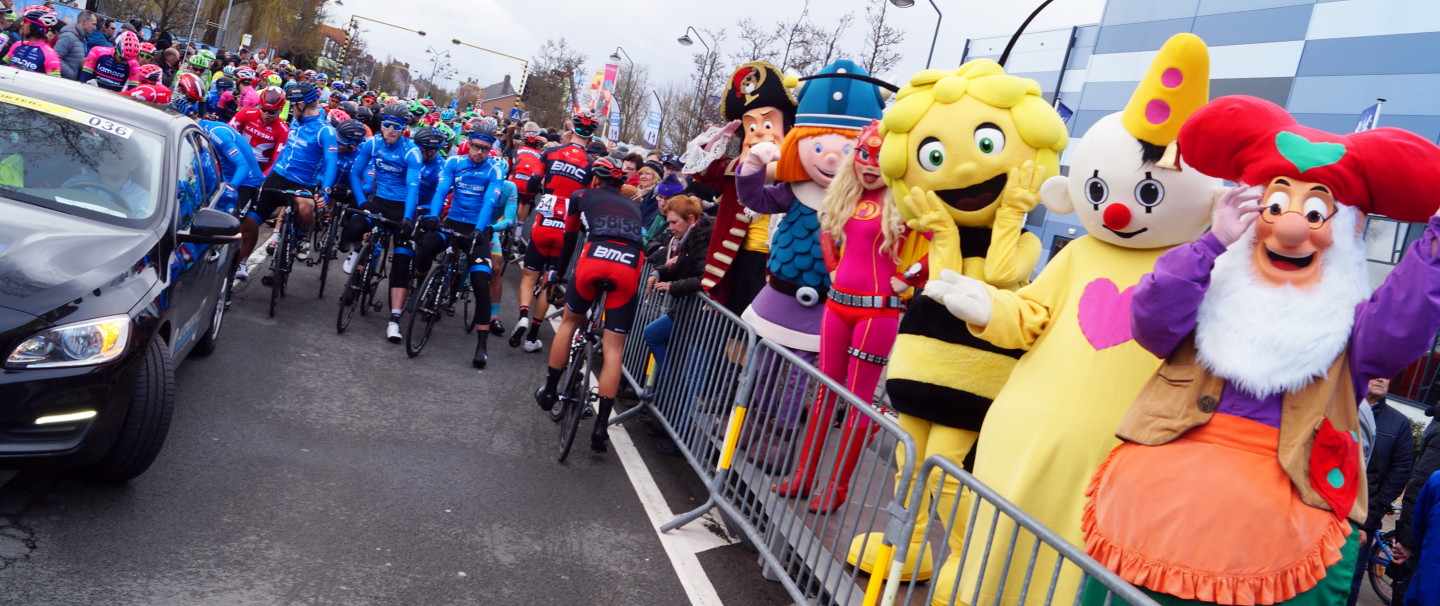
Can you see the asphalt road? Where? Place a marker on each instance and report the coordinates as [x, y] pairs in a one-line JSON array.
[[308, 467]]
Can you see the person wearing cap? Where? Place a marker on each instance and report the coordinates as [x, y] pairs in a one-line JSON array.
[[596, 149], [668, 187], [1271, 322]]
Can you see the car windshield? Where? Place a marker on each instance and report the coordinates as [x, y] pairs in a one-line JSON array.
[[79, 164]]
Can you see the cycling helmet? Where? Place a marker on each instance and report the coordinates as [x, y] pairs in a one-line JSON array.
[[127, 46], [224, 83], [363, 114], [302, 92], [429, 104], [42, 17], [321, 77], [418, 110], [275, 80], [339, 86], [150, 73], [370, 94], [272, 99], [245, 75], [336, 116], [480, 129], [147, 51], [208, 54], [606, 169], [350, 132], [447, 114], [585, 124], [429, 138], [361, 84], [200, 61], [350, 107], [228, 70], [395, 112], [534, 140], [188, 85], [308, 74]]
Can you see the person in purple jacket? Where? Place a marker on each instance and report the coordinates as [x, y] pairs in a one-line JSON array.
[[1239, 479]]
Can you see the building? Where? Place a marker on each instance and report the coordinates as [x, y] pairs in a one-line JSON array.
[[497, 99], [1324, 61]]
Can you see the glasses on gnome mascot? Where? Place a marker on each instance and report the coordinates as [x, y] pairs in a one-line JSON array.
[[1318, 206]]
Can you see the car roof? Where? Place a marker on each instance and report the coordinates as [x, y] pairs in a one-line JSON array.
[[89, 99]]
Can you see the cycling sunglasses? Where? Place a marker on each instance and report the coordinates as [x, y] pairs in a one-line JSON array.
[[392, 125]]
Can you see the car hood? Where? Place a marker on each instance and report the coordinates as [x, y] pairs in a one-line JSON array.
[[49, 259]]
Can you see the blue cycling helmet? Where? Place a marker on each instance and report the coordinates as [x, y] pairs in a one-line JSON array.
[[302, 92], [447, 114]]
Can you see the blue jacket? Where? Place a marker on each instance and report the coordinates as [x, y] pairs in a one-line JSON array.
[[1425, 584], [96, 38]]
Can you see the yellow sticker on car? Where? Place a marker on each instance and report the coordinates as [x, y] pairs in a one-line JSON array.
[[71, 114]]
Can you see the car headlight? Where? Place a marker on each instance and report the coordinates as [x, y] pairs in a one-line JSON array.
[[78, 344]]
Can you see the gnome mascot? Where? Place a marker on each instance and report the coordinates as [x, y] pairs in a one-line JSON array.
[[1054, 421], [1240, 479], [834, 105], [965, 153]]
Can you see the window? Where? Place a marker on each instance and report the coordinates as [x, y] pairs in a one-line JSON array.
[[189, 186], [209, 168]]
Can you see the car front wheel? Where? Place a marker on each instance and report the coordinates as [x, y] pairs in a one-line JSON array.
[[146, 422], [207, 343]]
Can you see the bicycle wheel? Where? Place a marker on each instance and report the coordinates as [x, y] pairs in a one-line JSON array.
[[291, 242], [277, 260], [1375, 566], [575, 396], [466, 298], [425, 308], [367, 289], [329, 248], [379, 270], [351, 297]]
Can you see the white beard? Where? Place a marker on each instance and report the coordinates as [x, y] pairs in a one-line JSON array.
[[1265, 339]]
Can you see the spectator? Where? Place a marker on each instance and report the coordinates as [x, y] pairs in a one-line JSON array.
[[1387, 467], [245, 55], [170, 62], [630, 163], [672, 165], [1406, 539], [646, 178], [655, 232], [71, 44], [101, 36], [679, 268], [163, 40], [1424, 590], [654, 156]]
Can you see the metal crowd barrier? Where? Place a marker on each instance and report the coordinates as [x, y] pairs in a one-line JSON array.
[[1013, 558], [636, 362]]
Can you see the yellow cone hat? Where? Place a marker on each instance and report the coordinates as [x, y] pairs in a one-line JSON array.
[[1177, 84]]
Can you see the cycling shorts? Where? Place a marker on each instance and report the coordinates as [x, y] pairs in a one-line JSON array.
[[616, 262], [272, 198], [545, 246], [246, 203]]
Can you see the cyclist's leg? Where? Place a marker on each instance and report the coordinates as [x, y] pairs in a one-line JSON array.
[[305, 213], [427, 247], [249, 227], [266, 204], [497, 287], [481, 281]]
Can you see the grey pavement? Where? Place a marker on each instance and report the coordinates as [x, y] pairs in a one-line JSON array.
[[307, 467]]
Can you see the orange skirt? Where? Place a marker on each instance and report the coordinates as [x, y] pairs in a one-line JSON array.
[[1211, 516]]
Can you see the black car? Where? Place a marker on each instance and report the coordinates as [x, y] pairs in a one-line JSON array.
[[114, 266]]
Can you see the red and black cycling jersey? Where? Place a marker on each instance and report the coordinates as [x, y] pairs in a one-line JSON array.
[[605, 214], [527, 164], [567, 169]]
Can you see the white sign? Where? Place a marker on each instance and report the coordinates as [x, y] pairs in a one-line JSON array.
[[245, 40], [651, 134]]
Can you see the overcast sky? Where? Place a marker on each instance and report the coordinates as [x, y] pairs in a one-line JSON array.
[[647, 29]]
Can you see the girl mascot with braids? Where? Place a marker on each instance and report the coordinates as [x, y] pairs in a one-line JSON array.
[[965, 152]]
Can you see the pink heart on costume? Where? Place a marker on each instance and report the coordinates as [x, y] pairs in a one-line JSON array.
[[1105, 314]]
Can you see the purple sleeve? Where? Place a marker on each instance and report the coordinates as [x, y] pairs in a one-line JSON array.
[[755, 195], [1167, 300], [1397, 324]]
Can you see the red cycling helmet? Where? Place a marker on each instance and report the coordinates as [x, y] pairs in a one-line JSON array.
[[430, 105], [337, 116], [245, 75], [189, 86], [150, 73], [605, 168], [147, 51], [272, 99], [127, 46]]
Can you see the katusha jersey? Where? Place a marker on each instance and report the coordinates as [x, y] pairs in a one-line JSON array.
[[265, 139]]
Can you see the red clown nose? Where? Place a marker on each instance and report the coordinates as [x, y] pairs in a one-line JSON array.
[[1117, 216]]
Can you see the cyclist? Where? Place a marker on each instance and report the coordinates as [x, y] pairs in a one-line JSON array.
[[475, 182], [248, 96], [527, 165], [503, 219], [147, 53], [397, 163], [220, 101], [150, 88], [349, 135], [430, 141], [305, 163], [263, 127], [33, 52], [199, 65], [113, 69], [612, 254], [566, 170]]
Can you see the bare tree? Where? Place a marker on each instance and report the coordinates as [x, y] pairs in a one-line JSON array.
[[705, 83], [632, 92], [821, 45], [174, 14], [881, 39], [792, 33], [547, 92], [756, 43]]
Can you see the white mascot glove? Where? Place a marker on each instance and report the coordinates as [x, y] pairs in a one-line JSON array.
[[761, 155], [965, 297]]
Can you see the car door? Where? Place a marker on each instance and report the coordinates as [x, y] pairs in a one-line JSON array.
[[193, 267]]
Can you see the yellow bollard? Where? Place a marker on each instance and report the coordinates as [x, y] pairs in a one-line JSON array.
[[874, 588]]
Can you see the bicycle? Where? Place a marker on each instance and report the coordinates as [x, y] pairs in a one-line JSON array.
[[574, 404], [328, 242], [286, 247], [444, 284], [1380, 554], [369, 270]]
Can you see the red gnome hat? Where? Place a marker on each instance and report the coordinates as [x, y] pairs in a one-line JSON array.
[[1386, 171]]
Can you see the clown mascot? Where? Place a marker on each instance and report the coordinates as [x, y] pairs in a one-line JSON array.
[[834, 106], [1269, 333], [965, 152], [1054, 421]]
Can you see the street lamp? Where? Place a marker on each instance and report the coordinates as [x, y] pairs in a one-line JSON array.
[[938, 17], [629, 82], [354, 27], [435, 58], [685, 40], [524, 71]]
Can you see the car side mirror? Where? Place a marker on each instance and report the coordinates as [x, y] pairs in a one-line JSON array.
[[210, 226]]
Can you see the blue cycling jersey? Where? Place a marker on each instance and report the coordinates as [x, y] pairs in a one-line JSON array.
[[477, 188], [429, 176], [310, 150], [237, 159], [505, 218], [397, 171]]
